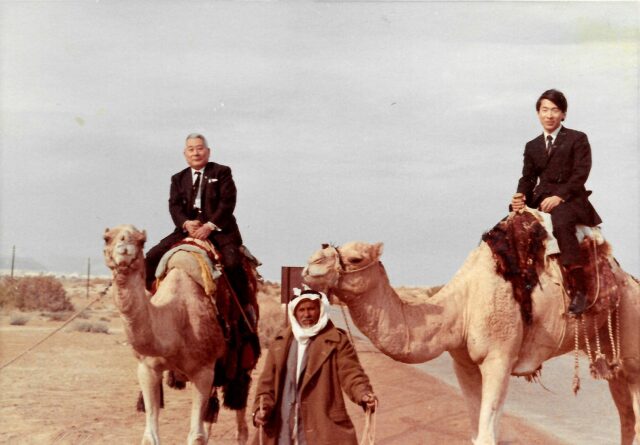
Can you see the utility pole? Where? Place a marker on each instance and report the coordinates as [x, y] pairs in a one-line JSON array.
[[13, 260], [88, 274]]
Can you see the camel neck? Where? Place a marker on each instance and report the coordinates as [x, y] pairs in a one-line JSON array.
[[134, 306], [407, 332]]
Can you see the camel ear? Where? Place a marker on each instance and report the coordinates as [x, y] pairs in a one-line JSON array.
[[141, 237], [377, 250], [106, 235]]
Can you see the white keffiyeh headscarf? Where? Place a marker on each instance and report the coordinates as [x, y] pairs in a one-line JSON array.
[[303, 334]]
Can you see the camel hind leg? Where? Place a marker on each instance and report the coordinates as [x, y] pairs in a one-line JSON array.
[[242, 433], [621, 394], [150, 383], [634, 388]]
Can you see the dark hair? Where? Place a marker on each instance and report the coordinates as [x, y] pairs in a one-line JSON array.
[[554, 96]]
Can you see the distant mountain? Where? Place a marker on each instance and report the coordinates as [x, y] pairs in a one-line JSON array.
[[55, 264]]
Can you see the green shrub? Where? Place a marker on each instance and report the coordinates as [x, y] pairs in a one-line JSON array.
[[34, 293]]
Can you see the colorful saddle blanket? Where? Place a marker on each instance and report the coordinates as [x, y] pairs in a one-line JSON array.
[[205, 256]]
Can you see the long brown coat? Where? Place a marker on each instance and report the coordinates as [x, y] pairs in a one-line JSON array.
[[332, 367]]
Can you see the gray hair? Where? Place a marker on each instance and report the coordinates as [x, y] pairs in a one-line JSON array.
[[197, 136]]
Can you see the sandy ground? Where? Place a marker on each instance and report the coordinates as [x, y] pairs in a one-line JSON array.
[[81, 388]]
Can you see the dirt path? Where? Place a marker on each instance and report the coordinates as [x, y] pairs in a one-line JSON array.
[[81, 388]]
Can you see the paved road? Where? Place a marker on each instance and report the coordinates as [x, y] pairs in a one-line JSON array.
[[590, 418]]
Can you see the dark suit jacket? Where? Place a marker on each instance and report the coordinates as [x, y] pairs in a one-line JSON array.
[[563, 173], [218, 202]]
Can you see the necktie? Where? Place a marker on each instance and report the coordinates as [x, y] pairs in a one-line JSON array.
[[549, 144], [196, 186]]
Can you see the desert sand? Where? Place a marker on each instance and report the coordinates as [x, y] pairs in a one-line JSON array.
[[81, 387]]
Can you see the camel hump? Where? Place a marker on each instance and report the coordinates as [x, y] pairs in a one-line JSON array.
[[520, 243], [518, 247]]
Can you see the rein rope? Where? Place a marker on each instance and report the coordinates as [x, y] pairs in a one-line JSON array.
[[369, 429], [59, 328], [342, 271]]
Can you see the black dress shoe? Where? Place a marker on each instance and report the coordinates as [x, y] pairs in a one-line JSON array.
[[578, 303]]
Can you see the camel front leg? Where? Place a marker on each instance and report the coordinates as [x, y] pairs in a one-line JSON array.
[[496, 372], [635, 395], [242, 433], [150, 381], [470, 381], [202, 385]]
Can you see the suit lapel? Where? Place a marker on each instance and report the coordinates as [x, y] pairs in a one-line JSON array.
[[187, 185], [540, 150], [559, 142], [207, 174]]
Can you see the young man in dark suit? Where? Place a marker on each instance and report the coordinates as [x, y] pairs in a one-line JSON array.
[[556, 167], [201, 202]]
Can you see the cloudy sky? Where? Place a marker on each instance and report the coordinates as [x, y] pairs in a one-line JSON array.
[[400, 122]]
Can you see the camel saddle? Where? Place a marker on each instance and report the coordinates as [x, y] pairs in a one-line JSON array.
[[523, 247]]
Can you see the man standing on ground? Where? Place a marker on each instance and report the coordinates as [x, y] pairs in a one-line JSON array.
[[310, 364], [556, 167]]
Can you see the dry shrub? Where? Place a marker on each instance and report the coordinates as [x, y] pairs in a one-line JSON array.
[[58, 316], [272, 317], [34, 293], [85, 326], [18, 320]]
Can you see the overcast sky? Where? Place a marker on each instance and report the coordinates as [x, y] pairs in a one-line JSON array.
[[400, 122]]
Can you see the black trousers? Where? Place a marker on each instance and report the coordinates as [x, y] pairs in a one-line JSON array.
[[231, 261], [565, 217]]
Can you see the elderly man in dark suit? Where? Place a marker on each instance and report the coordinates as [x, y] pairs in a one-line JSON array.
[[201, 202], [556, 167]]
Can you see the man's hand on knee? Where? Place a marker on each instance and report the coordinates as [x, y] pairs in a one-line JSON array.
[[202, 232], [550, 203], [191, 226]]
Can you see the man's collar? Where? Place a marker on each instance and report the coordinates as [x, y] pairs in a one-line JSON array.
[[553, 134]]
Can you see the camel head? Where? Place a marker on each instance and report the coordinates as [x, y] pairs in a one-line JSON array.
[[346, 270], [123, 248]]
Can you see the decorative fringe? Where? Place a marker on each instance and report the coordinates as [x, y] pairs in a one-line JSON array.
[[600, 368], [173, 381], [575, 384], [140, 403], [213, 408], [236, 392]]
